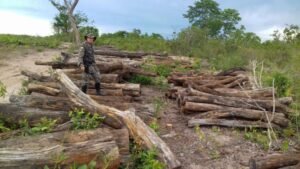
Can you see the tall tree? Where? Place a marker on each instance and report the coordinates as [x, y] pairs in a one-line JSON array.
[[66, 20], [207, 14]]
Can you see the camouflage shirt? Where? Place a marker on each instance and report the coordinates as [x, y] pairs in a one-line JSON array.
[[86, 54]]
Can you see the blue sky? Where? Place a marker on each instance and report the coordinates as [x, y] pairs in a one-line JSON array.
[[34, 17]]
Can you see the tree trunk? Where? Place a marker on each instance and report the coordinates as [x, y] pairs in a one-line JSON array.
[[13, 114], [35, 76], [42, 89], [78, 147], [57, 103], [274, 161], [237, 102], [190, 107], [104, 78], [228, 123], [138, 129]]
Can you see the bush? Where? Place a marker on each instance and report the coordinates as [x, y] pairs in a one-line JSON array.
[[2, 89], [140, 79], [281, 83], [83, 120]]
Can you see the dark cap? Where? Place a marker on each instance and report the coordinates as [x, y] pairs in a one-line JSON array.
[[90, 36]]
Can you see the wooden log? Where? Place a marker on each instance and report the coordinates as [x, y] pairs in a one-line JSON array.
[[32, 87], [104, 78], [286, 100], [274, 161], [107, 92], [56, 103], [104, 67], [13, 114], [229, 123], [35, 76], [236, 112], [138, 129], [78, 147], [53, 84], [266, 93], [238, 102], [121, 54], [231, 72]]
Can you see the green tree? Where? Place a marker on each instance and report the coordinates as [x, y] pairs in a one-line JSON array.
[[89, 29], [61, 22], [207, 14]]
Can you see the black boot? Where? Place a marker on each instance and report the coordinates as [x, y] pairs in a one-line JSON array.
[[84, 88], [97, 86]]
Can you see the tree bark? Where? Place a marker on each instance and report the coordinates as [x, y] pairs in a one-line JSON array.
[[104, 67], [190, 107], [71, 6], [104, 78], [35, 76], [57, 103], [237, 102], [13, 114], [229, 123], [138, 129], [42, 89], [78, 147], [274, 161]]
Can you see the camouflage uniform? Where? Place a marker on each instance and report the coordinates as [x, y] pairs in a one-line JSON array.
[[86, 58]]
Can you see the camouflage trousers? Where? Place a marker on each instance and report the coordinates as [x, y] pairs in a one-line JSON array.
[[90, 71]]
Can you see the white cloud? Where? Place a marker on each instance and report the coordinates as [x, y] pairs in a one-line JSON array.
[[265, 34], [14, 23]]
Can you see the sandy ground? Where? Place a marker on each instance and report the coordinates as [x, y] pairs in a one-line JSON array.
[[12, 64]]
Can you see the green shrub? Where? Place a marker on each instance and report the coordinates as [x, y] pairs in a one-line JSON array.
[[3, 126], [43, 126], [163, 70], [140, 79], [83, 120], [282, 84], [2, 89], [143, 159]]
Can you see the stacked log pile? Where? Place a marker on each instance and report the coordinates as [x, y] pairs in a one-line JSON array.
[[227, 99], [54, 95]]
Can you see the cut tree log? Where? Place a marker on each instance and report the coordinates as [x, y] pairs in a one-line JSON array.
[[275, 161], [266, 93], [286, 100], [107, 92], [138, 129], [14, 113], [35, 76], [78, 147], [229, 123], [104, 78], [32, 87], [56, 103], [238, 102], [104, 67], [190, 107]]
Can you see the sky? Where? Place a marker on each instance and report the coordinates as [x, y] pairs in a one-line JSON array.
[[35, 17]]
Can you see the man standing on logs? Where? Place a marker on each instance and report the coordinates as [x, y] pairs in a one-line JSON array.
[[86, 62]]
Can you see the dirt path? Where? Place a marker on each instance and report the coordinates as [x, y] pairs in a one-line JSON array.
[[14, 62]]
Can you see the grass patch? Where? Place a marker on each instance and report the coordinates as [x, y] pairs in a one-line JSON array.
[[84, 120]]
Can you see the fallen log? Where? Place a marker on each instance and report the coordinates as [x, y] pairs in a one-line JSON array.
[[34, 76], [104, 78], [231, 72], [104, 67], [190, 107], [107, 92], [286, 100], [138, 129], [32, 87], [78, 147], [229, 123], [238, 102], [56, 103], [266, 93], [13, 114], [274, 161]]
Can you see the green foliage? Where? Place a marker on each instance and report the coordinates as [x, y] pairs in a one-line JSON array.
[[159, 104], [2, 89], [89, 29], [282, 84], [161, 82], [43, 126], [143, 159], [285, 146], [154, 126], [23, 90], [259, 137], [3, 126], [206, 14], [83, 120], [163, 70], [140, 79], [25, 40], [134, 41]]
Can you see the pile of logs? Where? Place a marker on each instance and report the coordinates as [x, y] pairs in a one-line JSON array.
[[227, 99]]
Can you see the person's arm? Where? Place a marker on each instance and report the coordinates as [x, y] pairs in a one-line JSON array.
[[80, 57]]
